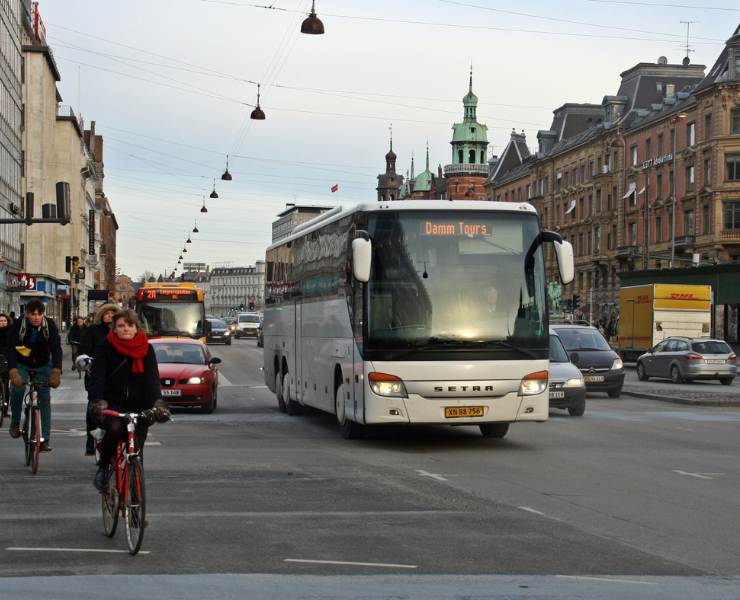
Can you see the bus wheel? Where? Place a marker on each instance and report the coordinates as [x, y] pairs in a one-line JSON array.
[[494, 430], [279, 391], [349, 429]]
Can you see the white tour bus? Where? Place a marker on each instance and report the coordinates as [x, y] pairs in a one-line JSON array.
[[413, 312]]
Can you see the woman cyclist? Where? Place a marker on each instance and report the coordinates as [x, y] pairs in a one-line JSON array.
[[124, 377]]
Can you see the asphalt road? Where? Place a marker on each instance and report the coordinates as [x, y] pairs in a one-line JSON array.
[[635, 499]]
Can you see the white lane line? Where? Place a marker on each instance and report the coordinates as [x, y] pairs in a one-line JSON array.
[[432, 475], [537, 512], [97, 550], [223, 381], [148, 443], [608, 579], [355, 564], [697, 475]]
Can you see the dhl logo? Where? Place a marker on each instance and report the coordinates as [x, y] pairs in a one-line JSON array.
[[685, 296], [643, 299]]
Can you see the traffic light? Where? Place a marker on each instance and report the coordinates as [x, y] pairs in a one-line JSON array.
[[576, 301], [251, 306], [72, 264]]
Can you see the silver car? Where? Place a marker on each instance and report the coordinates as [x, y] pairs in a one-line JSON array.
[[685, 359], [567, 389]]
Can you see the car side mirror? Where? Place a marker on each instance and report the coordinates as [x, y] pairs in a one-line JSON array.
[[214, 361]]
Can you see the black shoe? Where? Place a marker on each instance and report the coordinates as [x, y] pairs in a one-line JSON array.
[[15, 430], [45, 447], [90, 447], [100, 480]]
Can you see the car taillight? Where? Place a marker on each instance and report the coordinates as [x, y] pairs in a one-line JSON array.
[[692, 356], [731, 358]]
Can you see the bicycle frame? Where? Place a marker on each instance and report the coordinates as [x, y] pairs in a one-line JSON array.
[[32, 422], [125, 451]]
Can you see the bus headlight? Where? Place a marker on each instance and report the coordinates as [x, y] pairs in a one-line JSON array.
[[576, 382], [384, 384], [196, 380], [533, 384]]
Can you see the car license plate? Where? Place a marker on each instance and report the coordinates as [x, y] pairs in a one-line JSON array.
[[557, 394], [171, 392], [452, 412], [715, 362], [593, 378]]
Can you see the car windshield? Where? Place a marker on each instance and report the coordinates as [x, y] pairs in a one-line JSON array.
[[557, 352], [582, 339], [711, 347], [249, 318], [187, 354], [217, 324], [171, 318]]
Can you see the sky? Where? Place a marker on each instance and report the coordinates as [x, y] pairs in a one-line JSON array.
[[171, 84]]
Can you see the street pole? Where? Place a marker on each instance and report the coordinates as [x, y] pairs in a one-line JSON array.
[[673, 195], [646, 221]]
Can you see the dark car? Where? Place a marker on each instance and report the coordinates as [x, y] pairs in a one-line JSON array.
[[219, 332], [260, 337], [567, 389], [687, 359], [601, 367]]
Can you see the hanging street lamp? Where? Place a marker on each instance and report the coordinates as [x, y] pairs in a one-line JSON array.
[[203, 208], [214, 194], [226, 176], [258, 114], [312, 25]]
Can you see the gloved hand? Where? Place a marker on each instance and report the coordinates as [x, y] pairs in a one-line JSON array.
[[97, 408], [55, 378], [15, 378], [161, 411]]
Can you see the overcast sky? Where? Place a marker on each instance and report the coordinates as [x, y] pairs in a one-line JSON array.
[[165, 81]]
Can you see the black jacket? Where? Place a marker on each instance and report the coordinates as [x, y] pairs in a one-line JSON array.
[[74, 335], [5, 347], [42, 350], [113, 381], [92, 337]]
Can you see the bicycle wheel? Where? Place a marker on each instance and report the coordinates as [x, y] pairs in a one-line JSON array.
[[134, 506], [25, 432], [3, 403], [109, 500], [34, 440]]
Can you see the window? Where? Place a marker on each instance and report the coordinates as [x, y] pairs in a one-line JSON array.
[[688, 222], [471, 157], [632, 229], [580, 244], [732, 214], [659, 185], [732, 167], [690, 133], [689, 178], [706, 219], [460, 157], [648, 149], [707, 171], [660, 144], [598, 201], [708, 126], [670, 89], [597, 240], [659, 87], [670, 182], [633, 155], [735, 124], [658, 229]]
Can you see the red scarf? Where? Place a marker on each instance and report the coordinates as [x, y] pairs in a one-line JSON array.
[[135, 348]]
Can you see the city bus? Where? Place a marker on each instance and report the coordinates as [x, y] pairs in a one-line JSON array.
[[172, 309], [413, 312]]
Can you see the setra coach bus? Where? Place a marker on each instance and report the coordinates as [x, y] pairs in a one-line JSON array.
[[413, 312], [172, 309]]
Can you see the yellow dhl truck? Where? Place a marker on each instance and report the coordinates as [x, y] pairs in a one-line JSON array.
[[650, 313]]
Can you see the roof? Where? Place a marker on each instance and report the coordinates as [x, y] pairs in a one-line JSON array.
[[470, 131], [303, 208], [721, 71], [513, 156], [423, 181]]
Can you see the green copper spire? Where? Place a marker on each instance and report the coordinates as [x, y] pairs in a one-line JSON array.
[[469, 138], [412, 167], [470, 101], [423, 182]]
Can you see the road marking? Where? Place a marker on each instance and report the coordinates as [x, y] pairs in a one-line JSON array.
[[223, 381], [697, 475], [97, 550], [432, 475], [633, 581], [355, 564], [537, 512], [148, 443]]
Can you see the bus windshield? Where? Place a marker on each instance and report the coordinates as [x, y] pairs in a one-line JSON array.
[[442, 280], [172, 318]]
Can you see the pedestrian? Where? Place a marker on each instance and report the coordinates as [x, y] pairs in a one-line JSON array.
[[37, 347], [125, 378], [74, 336], [94, 336], [5, 349], [12, 317]]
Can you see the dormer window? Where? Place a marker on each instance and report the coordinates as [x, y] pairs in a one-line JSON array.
[[670, 90], [659, 87], [472, 130]]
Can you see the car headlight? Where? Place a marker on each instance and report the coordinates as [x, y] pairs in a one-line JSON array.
[[387, 385], [576, 382], [196, 380], [617, 364], [533, 384]]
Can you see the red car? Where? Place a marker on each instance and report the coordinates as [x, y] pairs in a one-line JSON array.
[[187, 373]]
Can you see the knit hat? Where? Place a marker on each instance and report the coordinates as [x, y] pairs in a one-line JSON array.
[[103, 309]]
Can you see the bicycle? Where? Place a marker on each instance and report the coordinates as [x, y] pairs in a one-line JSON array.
[[124, 492], [31, 429], [4, 389]]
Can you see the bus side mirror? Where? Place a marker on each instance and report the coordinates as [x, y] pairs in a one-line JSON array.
[[362, 251], [564, 254]]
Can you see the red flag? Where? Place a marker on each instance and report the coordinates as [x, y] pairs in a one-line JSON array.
[[335, 187]]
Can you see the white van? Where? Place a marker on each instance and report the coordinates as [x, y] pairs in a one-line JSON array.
[[247, 324]]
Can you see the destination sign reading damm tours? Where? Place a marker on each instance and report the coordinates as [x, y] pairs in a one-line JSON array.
[[455, 228]]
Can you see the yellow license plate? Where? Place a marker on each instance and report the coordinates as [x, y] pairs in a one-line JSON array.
[[593, 378], [452, 412]]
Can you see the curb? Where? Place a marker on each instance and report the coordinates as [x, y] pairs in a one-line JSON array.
[[688, 401]]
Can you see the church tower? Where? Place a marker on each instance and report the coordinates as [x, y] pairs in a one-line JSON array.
[[389, 183], [466, 176]]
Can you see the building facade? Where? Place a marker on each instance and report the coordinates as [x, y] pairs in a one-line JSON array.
[[293, 216], [236, 289], [11, 150], [607, 177]]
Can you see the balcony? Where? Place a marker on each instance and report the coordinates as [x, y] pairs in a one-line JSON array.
[[730, 235], [466, 169], [685, 241], [627, 251]]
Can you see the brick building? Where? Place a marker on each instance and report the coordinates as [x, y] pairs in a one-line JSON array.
[[604, 175]]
